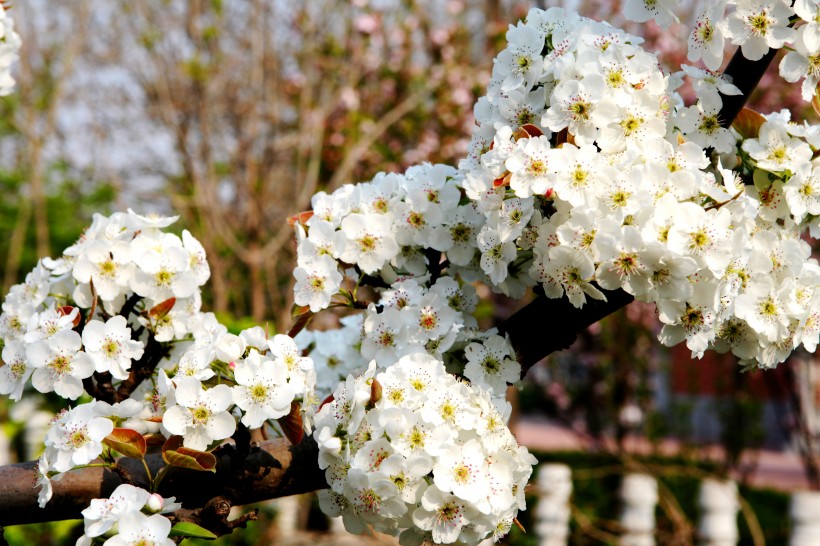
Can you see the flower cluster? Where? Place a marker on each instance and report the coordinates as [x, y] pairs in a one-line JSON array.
[[9, 51], [606, 185], [587, 173], [129, 516], [382, 227], [118, 317], [757, 26], [415, 451], [93, 309]]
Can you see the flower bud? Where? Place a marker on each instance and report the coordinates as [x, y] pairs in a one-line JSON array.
[[154, 504]]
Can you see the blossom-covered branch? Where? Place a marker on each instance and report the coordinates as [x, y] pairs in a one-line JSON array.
[[546, 325], [275, 469], [588, 180]]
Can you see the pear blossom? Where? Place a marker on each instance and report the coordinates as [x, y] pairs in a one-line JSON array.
[[775, 150], [764, 310], [317, 280], [149, 222], [262, 390], [490, 364], [802, 193], [369, 241], [42, 326], [496, 254], [75, 437], [707, 38], [137, 529], [757, 25], [443, 514], [644, 10], [530, 167], [59, 364], [108, 265], [110, 346], [102, 514], [809, 11], [15, 371], [700, 124], [709, 85], [200, 415], [163, 268], [804, 60]]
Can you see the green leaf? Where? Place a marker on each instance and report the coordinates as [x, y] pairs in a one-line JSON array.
[[126, 441], [175, 454], [191, 530]]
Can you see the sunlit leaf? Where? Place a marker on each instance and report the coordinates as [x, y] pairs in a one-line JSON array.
[[292, 424], [176, 454], [301, 315], [300, 218], [160, 310], [126, 441], [191, 530], [748, 123], [375, 393]]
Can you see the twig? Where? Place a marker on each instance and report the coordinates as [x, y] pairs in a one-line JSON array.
[[751, 520]]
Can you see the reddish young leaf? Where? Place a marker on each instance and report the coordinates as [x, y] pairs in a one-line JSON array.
[[815, 100], [93, 310], [161, 309], [532, 130], [748, 123], [327, 400], [301, 315], [66, 310], [300, 218], [126, 441], [292, 424], [564, 137], [154, 440], [503, 181], [375, 393], [172, 443], [176, 454]]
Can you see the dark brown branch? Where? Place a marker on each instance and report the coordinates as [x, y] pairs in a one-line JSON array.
[[548, 325], [746, 75], [214, 516], [276, 469]]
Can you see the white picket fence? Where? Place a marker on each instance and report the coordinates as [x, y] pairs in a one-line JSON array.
[[718, 505]]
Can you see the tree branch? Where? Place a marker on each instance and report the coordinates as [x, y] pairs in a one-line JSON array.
[[274, 469]]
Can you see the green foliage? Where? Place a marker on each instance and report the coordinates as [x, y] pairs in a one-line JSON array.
[[56, 533]]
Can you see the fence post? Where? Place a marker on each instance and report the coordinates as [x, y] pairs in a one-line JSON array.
[[805, 515], [287, 515], [552, 511], [718, 518], [639, 493]]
